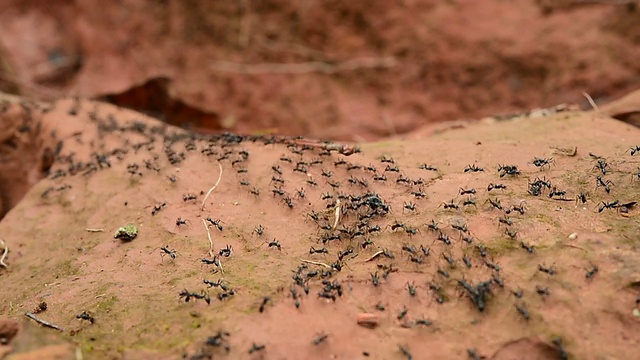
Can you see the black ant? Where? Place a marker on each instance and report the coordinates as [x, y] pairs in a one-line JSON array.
[[375, 280], [402, 313], [508, 170], [582, 197], [226, 252], [390, 168], [86, 316], [634, 149], [318, 251], [242, 171], [450, 205], [462, 228], [264, 302], [415, 259], [495, 203], [188, 197], [379, 177], [326, 173], [255, 347], [412, 289], [482, 250], [433, 225], [181, 221], [542, 162], [418, 194], [386, 159], [473, 168], [542, 291], [496, 186], [277, 191], [187, 295], [548, 270], [157, 208], [276, 244], [215, 222], [427, 167], [560, 193], [259, 230], [591, 272], [167, 251], [471, 191], [562, 353], [450, 260], [602, 166], [444, 238], [255, 191], [287, 200], [604, 184], [219, 283], [333, 184], [277, 179], [519, 208], [624, 208], [505, 220], [410, 206], [605, 205], [529, 248], [276, 168], [371, 168], [512, 234], [467, 239], [522, 310], [467, 261]]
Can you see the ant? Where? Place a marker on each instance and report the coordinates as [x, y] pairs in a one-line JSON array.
[[157, 208], [276, 244], [560, 193], [167, 251], [255, 347], [450, 260], [511, 233], [264, 302], [519, 208], [467, 239], [411, 288], [418, 194], [548, 270], [466, 261], [604, 184], [469, 202], [188, 197], [427, 167], [300, 192], [562, 353], [496, 186], [287, 200], [375, 280], [402, 313], [219, 283], [277, 191], [187, 295], [415, 259], [259, 230], [86, 316], [389, 168], [582, 197], [634, 149], [473, 168], [505, 220], [379, 177], [508, 170], [318, 251], [410, 206], [542, 162], [255, 191], [326, 173], [444, 238], [450, 205], [529, 248], [226, 252], [627, 206], [181, 221], [591, 272], [462, 228], [276, 168], [312, 182], [215, 223], [602, 166], [320, 338], [522, 310], [386, 159], [277, 179], [471, 191], [334, 184], [433, 225], [495, 203], [605, 205], [542, 291]]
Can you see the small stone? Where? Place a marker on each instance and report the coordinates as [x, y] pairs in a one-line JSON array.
[[573, 236], [368, 320], [126, 233], [636, 312]]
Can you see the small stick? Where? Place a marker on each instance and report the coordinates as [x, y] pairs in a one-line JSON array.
[[94, 230], [315, 263], [42, 322], [206, 227], [337, 216], [4, 254], [593, 103], [374, 256], [213, 188]]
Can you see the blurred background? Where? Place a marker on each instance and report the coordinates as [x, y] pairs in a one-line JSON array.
[[342, 70]]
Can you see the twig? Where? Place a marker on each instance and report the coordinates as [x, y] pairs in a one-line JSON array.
[[94, 230], [213, 188], [590, 99], [315, 263], [337, 216], [305, 67], [42, 322], [374, 256], [4, 254], [209, 236]]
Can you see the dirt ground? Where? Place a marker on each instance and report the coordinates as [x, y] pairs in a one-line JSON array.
[[321, 250], [340, 70]]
